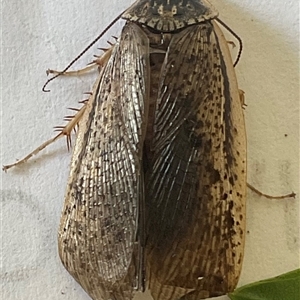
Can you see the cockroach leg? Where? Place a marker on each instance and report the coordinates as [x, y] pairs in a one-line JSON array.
[[64, 131]]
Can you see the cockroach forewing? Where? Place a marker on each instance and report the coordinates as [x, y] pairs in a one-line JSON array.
[[197, 177], [99, 242]]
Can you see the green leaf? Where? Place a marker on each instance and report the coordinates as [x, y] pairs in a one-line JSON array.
[[283, 287]]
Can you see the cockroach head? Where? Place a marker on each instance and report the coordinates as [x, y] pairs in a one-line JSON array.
[[170, 15]]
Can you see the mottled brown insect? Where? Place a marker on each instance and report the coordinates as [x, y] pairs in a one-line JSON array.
[[157, 188]]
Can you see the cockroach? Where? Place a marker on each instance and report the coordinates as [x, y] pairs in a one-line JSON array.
[[157, 187]]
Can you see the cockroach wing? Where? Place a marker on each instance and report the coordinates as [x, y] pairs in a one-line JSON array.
[[98, 236], [196, 190]]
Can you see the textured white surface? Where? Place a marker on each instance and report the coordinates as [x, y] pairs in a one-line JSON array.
[[37, 35]]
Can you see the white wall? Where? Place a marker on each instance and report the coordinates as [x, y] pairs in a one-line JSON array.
[[37, 35]]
